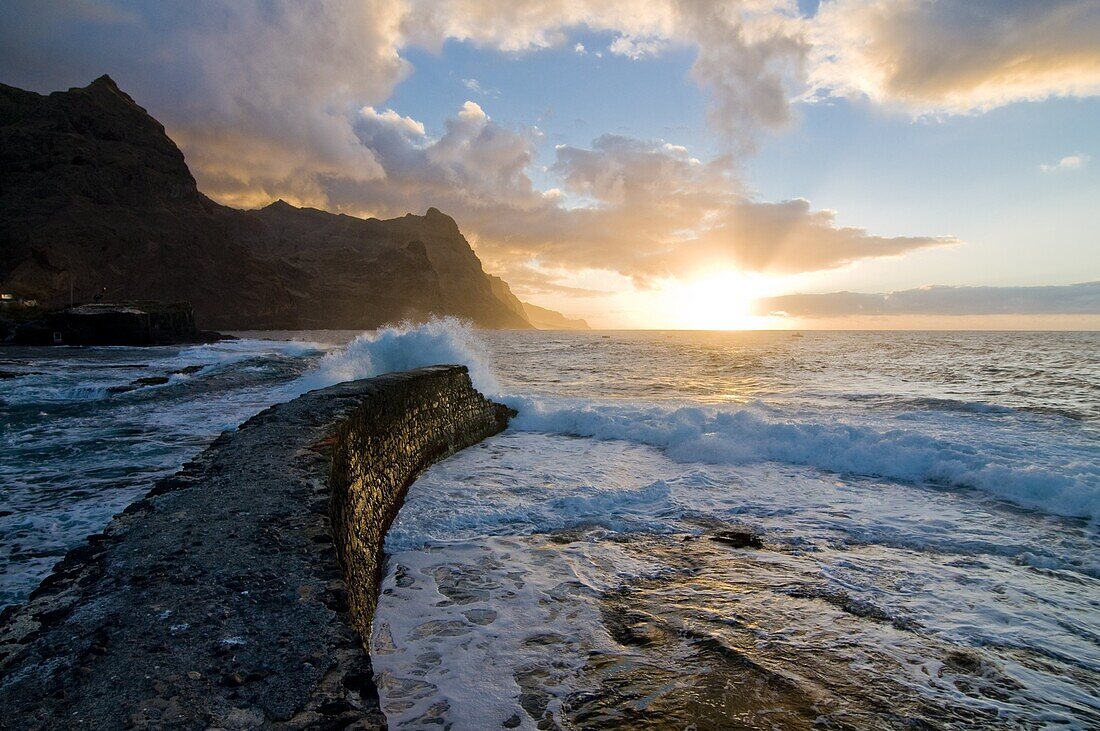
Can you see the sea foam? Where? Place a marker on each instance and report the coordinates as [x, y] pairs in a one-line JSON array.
[[1032, 473], [1046, 479], [403, 347]]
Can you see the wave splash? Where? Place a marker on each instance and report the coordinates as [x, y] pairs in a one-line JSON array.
[[1048, 480], [404, 347], [1034, 473]]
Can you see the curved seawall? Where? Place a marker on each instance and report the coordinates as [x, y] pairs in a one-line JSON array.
[[239, 592]]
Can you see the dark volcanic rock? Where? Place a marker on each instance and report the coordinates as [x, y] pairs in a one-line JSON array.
[[123, 323], [738, 538], [368, 272], [94, 195]]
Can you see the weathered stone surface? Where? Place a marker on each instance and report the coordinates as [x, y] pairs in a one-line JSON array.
[[372, 469], [219, 600]]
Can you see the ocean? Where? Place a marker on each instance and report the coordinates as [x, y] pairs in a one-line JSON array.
[[924, 507]]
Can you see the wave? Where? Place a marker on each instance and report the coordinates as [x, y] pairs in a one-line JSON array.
[[1055, 480], [404, 347], [931, 403], [77, 381], [1050, 479]]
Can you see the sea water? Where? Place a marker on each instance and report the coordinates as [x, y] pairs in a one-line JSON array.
[[926, 505]]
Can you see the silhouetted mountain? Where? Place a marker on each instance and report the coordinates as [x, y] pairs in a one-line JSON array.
[[94, 195], [545, 319], [539, 317]]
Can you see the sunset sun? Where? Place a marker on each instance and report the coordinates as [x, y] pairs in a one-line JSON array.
[[723, 301]]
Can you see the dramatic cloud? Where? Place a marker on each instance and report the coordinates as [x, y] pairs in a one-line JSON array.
[[260, 95], [1075, 299], [271, 98], [643, 209], [750, 52], [956, 56], [1069, 162]]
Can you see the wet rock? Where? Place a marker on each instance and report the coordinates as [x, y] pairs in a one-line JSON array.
[[738, 538], [139, 383], [232, 680]]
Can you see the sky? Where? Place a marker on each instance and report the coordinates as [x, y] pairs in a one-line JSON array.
[[650, 163]]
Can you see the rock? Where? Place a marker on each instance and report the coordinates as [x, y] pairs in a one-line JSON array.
[[545, 319], [539, 317], [94, 195], [139, 383], [232, 680], [738, 538], [122, 323]]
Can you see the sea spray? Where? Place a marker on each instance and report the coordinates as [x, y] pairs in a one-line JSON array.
[[1050, 481], [445, 341]]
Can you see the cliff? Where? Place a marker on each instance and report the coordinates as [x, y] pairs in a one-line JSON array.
[[94, 195], [239, 592], [539, 317], [545, 319]]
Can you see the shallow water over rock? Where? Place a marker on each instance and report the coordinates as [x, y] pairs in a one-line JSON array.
[[554, 582]]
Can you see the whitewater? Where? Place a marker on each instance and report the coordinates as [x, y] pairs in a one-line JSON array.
[[926, 506]]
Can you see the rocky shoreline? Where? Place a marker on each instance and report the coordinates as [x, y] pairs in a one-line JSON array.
[[239, 592], [121, 323]]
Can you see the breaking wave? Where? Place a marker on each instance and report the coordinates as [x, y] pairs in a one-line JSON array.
[[445, 341], [1050, 479]]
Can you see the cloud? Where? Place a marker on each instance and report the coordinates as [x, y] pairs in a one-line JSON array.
[[750, 52], [956, 56], [580, 50], [262, 93], [261, 96], [1074, 299], [641, 208], [475, 163], [273, 98], [636, 48], [475, 86], [656, 211], [1069, 162], [752, 59], [405, 126]]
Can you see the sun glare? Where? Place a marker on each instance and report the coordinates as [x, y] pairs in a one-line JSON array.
[[721, 301]]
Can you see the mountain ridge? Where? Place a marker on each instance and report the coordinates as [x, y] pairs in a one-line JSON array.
[[96, 198]]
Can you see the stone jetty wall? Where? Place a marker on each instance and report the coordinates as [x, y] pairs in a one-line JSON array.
[[390, 438], [238, 593]]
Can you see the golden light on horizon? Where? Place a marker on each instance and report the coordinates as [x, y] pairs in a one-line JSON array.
[[720, 301]]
